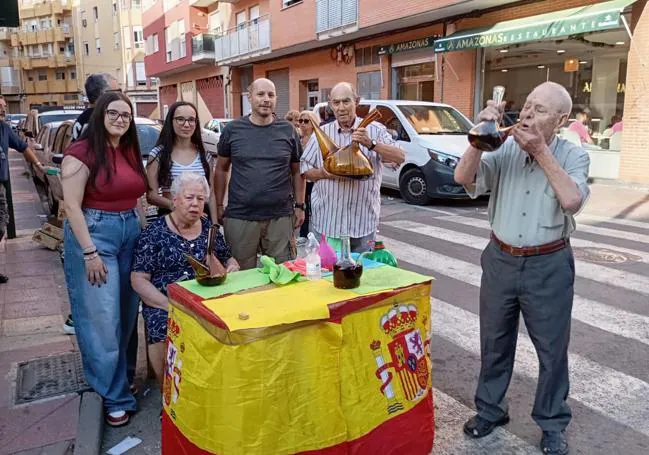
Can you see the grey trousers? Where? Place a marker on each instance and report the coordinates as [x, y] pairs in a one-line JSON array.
[[541, 288], [4, 210]]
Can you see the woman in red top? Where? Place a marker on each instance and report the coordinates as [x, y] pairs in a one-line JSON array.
[[103, 179]]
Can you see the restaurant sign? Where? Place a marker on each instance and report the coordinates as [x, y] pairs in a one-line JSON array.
[[411, 45], [528, 29]]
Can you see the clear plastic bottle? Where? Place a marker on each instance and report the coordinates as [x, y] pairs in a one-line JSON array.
[[313, 264]]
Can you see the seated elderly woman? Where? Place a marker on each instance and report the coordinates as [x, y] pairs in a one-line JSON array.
[[159, 260]]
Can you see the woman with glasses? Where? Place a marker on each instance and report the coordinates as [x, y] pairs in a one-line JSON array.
[[103, 180], [179, 149], [306, 131]]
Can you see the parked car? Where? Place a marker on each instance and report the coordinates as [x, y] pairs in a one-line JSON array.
[[433, 137], [36, 120], [147, 131], [216, 125], [14, 120], [43, 145]]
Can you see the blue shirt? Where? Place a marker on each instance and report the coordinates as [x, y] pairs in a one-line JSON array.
[[8, 139], [159, 252]]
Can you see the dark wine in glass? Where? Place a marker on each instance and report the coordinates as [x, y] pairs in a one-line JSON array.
[[488, 136]]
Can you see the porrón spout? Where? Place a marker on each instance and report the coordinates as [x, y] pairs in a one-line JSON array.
[[327, 145]]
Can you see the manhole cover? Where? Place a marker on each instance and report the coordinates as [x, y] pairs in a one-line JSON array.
[[49, 376], [604, 255]]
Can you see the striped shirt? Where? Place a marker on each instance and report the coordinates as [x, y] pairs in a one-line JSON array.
[[348, 206], [176, 168]]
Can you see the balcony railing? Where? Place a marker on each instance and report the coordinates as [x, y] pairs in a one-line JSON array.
[[206, 3], [5, 33], [9, 89], [203, 48], [335, 17], [246, 40], [30, 87]]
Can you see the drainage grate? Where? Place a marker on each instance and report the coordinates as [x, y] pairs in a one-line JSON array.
[[604, 255], [49, 376]]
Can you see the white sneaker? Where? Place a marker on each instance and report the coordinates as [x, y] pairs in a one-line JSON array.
[[117, 418]]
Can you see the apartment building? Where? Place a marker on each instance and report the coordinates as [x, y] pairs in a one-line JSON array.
[[41, 67], [10, 86], [180, 37], [454, 52], [110, 40]]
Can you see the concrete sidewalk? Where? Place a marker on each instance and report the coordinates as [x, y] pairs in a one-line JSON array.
[[32, 308]]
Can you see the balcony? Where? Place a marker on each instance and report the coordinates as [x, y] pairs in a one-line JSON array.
[[203, 48], [64, 60], [30, 87], [206, 3], [6, 61], [45, 36], [15, 40], [26, 63], [62, 33], [336, 17], [27, 12], [247, 40], [71, 86], [41, 87], [9, 89], [6, 33], [57, 86]]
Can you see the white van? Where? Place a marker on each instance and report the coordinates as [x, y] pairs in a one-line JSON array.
[[433, 137]]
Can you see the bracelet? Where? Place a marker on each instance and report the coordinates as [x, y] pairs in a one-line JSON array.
[[95, 255], [90, 252], [90, 249]]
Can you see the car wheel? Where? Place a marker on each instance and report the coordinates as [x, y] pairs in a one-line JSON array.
[[52, 203], [414, 188]]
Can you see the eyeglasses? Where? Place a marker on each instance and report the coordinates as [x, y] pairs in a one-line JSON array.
[[114, 115], [181, 121], [303, 121]]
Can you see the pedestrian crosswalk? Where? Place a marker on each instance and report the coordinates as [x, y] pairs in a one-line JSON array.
[[610, 401]]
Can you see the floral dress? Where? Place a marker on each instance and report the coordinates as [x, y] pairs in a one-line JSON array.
[[159, 252]]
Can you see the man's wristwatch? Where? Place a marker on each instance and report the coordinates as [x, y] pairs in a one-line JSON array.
[[371, 147], [300, 206]]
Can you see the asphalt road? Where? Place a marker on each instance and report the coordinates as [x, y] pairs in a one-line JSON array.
[[609, 355]]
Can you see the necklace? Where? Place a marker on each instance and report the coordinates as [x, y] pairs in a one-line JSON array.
[[173, 222]]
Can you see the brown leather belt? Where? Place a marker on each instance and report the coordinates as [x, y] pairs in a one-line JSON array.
[[531, 250]]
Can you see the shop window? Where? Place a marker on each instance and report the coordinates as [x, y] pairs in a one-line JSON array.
[[369, 85], [367, 56]]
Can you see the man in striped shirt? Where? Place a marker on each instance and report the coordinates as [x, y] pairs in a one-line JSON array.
[[342, 206]]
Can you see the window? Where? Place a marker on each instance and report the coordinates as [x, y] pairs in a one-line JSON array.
[[30, 76], [98, 46], [61, 49], [95, 13], [127, 37], [241, 19], [183, 39], [86, 48], [287, 3], [42, 75], [116, 40], [168, 43], [73, 75], [367, 56], [60, 75], [369, 85], [254, 12], [140, 74], [168, 4], [138, 36], [114, 7], [214, 22], [84, 21], [136, 4], [156, 43]]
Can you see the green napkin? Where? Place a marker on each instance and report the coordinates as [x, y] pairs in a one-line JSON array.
[[385, 278], [237, 281], [278, 273]]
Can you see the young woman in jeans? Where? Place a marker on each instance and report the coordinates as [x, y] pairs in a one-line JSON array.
[[103, 179], [179, 149]]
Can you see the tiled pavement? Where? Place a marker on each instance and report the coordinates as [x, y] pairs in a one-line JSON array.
[[32, 308]]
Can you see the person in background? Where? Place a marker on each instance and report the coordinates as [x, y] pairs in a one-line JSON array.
[[306, 128], [103, 180], [9, 139], [579, 127], [343, 206], [293, 116], [538, 183], [96, 85], [179, 149], [266, 191], [159, 258], [618, 126]]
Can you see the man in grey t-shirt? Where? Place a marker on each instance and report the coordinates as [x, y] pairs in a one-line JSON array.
[[266, 191]]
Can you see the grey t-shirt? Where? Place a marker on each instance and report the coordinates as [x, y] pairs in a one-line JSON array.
[[261, 184]]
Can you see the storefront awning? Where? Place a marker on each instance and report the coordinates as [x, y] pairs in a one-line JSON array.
[[584, 19]]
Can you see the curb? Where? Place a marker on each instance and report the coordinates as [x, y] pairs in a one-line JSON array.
[[90, 427]]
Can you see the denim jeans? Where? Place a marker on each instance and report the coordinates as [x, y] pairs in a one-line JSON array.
[[104, 316]]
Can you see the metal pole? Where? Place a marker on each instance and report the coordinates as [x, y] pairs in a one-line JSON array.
[[11, 226]]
